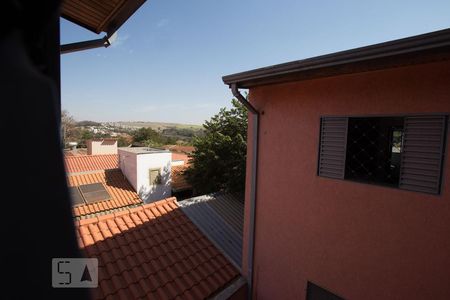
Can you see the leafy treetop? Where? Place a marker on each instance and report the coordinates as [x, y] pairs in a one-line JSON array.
[[218, 163]]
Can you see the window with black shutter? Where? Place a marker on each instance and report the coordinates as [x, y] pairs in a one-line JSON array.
[[333, 144], [401, 151], [423, 153]]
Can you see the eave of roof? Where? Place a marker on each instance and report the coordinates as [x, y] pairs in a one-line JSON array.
[[100, 16], [424, 48]]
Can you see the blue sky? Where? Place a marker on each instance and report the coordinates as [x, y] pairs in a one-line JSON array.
[[167, 63]]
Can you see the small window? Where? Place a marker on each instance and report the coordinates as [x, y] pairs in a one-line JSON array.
[[315, 292], [94, 192], [155, 176], [373, 150], [404, 151]]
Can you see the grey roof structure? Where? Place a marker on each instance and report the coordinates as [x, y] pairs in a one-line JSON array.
[[143, 150], [424, 48], [220, 216]]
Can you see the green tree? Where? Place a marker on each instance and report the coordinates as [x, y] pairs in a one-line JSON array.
[[84, 136], [123, 141], [218, 163], [146, 135], [70, 132]]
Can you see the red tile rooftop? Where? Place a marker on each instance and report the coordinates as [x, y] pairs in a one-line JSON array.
[[76, 152], [121, 191], [179, 149], [180, 156], [179, 182], [153, 252], [85, 163]]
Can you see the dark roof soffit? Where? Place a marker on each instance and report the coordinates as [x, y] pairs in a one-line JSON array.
[[412, 50], [82, 13]]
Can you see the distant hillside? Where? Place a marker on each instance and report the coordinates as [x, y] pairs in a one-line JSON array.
[[158, 126], [88, 123]]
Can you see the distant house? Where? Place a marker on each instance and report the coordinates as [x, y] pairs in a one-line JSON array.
[[138, 165], [148, 170], [101, 146], [348, 174], [180, 154]]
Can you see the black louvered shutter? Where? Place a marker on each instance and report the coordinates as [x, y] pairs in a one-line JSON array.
[[423, 153], [333, 145]]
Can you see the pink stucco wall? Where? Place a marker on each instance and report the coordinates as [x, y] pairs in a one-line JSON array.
[[357, 240]]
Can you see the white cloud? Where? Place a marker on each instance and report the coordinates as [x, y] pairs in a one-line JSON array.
[[120, 40]]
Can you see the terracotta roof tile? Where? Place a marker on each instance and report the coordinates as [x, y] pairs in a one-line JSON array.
[[179, 182], [179, 149], [121, 191], [85, 163], [180, 156], [149, 257]]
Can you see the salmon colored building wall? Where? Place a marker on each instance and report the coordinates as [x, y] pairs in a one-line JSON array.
[[356, 240]]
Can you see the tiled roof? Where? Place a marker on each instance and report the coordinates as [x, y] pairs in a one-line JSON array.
[[121, 191], [178, 148], [76, 152], [180, 156], [153, 252], [84, 163], [179, 182]]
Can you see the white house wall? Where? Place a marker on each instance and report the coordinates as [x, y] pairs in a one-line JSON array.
[[127, 163], [145, 162]]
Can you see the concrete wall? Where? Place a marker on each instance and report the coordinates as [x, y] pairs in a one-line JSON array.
[[145, 162], [177, 163], [357, 240], [136, 166], [98, 147], [128, 165]]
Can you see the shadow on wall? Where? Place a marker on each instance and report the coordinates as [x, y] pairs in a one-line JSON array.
[[115, 178], [151, 193]]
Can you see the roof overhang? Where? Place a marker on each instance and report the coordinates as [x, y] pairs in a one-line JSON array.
[[99, 16], [425, 48]]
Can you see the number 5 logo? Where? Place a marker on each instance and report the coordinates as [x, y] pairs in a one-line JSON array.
[[61, 272], [74, 272]]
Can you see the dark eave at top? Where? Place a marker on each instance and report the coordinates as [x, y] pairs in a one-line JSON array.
[[100, 16], [424, 48]]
